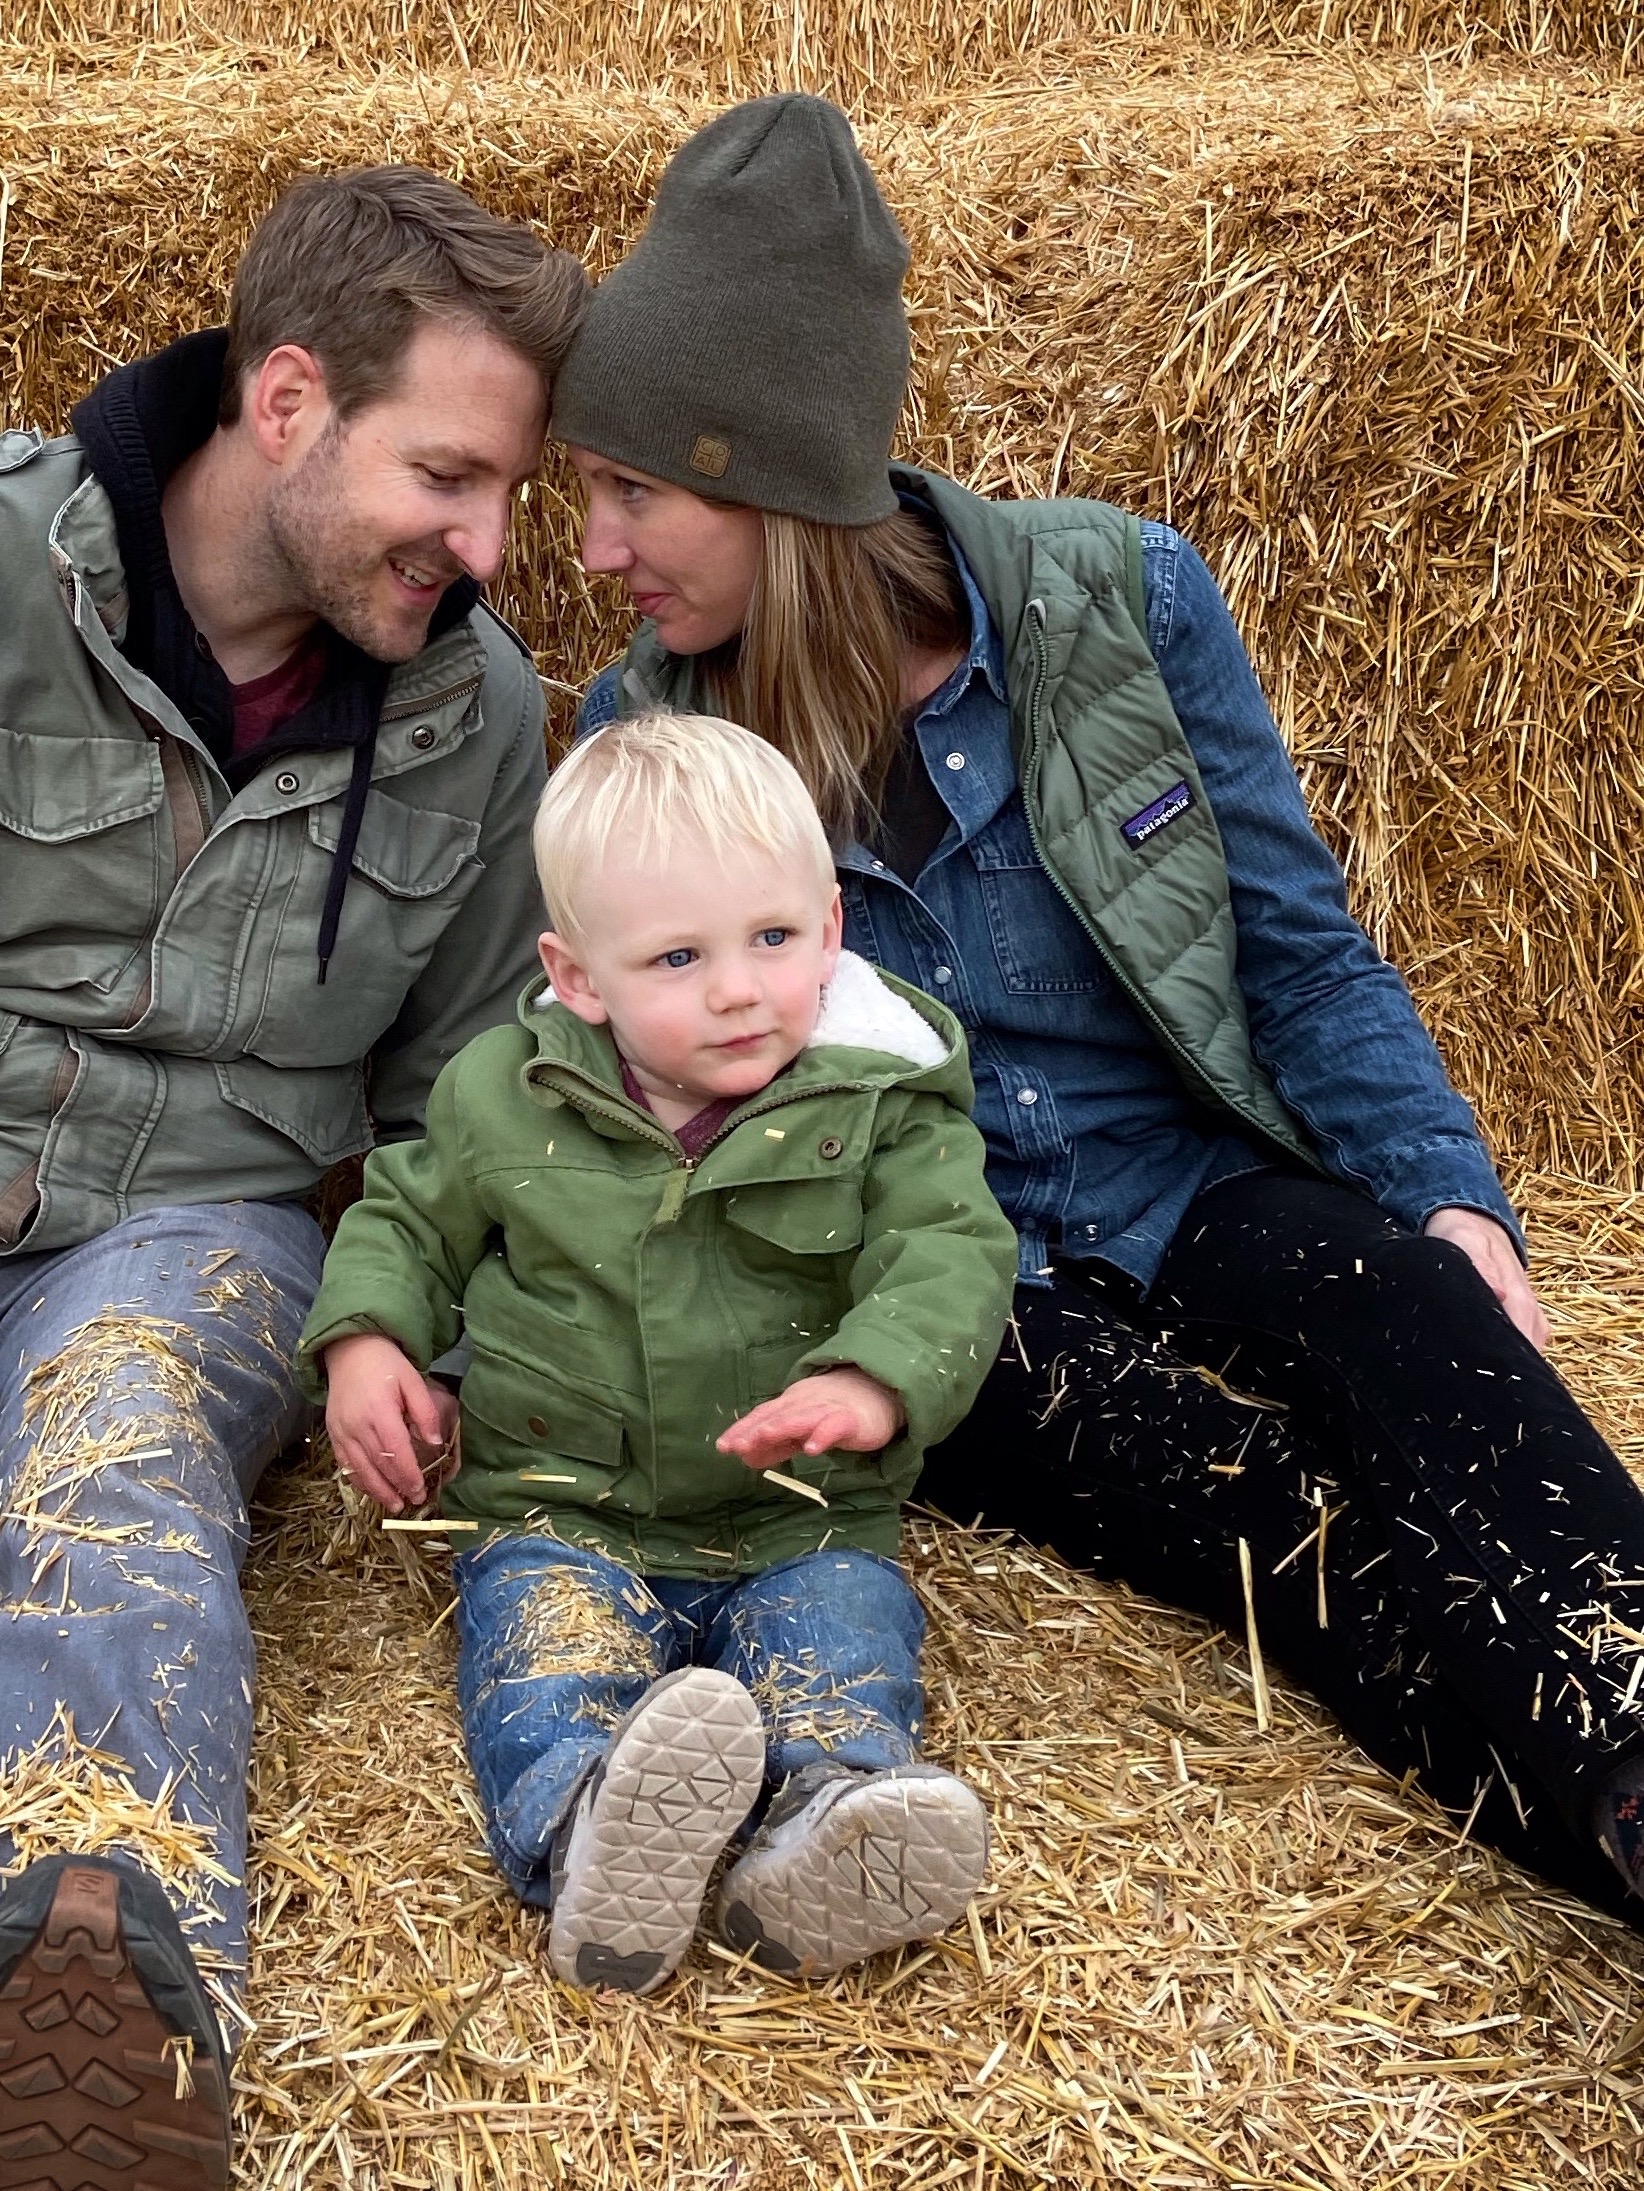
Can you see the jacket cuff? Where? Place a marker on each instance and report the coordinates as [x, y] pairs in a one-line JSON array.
[[311, 1371], [909, 1376], [1448, 1176]]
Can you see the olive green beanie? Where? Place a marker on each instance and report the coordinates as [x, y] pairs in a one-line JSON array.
[[753, 346]]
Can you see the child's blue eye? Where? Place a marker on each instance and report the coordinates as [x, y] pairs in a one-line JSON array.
[[774, 936], [681, 957]]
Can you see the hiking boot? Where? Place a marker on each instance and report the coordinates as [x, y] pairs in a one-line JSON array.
[[631, 1863], [848, 1863], [113, 2072]]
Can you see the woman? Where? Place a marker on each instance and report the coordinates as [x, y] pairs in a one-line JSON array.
[[1272, 1303]]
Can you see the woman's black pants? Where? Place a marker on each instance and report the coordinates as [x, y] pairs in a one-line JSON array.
[[1479, 1612]]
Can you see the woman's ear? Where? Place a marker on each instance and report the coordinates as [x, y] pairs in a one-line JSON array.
[[833, 934], [572, 983]]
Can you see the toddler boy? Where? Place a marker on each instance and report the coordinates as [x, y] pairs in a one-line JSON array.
[[714, 1208]]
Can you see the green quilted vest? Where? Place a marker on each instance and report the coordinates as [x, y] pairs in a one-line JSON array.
[[1117, 811]]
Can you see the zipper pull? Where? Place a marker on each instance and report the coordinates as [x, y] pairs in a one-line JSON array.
[[673, 1194]]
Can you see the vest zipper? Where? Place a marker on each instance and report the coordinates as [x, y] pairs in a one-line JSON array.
[[1173, 1048]]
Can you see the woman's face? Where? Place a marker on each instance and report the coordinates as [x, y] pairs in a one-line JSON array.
[[688, 565]]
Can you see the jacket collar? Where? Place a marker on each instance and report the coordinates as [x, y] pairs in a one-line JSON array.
[[136, 427], [875, 1032]]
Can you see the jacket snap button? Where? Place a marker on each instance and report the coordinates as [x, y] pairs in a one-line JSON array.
[[422, 737], [286, 782], [832, 1147], [536, 1426]]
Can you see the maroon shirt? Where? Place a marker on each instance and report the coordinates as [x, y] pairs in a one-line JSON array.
[[266, 702], [696, 1133]]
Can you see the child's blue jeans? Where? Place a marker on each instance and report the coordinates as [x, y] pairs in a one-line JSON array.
[[558, 1644]]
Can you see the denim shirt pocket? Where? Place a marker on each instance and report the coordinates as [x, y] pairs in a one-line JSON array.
[[1039, 943]]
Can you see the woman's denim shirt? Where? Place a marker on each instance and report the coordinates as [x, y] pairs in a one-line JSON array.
[[1095, 1148]]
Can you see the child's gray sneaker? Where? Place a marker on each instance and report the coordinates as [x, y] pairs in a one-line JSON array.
[[631, 1864], [848, 1863]]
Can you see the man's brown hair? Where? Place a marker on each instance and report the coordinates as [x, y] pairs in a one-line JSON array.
[[348, 265]]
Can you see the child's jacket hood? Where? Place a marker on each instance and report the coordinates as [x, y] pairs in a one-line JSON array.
[[626, 1304], [874, 1031]]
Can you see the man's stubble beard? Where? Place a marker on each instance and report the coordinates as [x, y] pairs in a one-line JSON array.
[[326, 559]]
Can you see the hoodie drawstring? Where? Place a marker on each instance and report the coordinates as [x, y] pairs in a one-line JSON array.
[[342, 860]]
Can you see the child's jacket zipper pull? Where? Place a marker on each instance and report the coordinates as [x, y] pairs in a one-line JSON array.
[[673, 1193]]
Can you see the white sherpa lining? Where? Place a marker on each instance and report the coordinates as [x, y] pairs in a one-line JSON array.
[[860, 1012]]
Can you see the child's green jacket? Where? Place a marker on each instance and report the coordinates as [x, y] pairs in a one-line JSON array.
[[626, 1305]]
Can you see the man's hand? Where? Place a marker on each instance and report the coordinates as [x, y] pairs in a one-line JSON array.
[[389, 1425], [1496, 1260], [838, 1407]]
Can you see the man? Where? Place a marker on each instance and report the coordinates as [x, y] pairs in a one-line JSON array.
[[267, 771]]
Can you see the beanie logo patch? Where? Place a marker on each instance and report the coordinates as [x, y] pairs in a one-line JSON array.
[[710, 456]]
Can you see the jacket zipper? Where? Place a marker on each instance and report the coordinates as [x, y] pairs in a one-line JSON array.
[[1185, 1064], [182, 785], [190, 820], [657, 1132], [403, 708]]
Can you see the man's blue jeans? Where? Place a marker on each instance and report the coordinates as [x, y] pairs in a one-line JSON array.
[[558, 1644], [145, 1384]]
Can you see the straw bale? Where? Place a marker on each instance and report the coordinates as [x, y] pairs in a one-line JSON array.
[[854, 50], [1206, 1956], [1370, 331], [1370, 336]]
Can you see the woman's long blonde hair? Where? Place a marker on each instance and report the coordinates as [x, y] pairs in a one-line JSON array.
[[818, 666]]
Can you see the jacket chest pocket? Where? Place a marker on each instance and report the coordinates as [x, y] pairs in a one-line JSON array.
[[799, 1217], [792, 1245], [411, 870], [1038, 943], [80, 855]]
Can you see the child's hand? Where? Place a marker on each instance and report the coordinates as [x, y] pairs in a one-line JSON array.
[[388, 1424], [838, 1407]]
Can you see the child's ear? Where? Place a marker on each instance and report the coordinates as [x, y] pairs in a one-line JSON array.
[[833, 935], [573, 985]]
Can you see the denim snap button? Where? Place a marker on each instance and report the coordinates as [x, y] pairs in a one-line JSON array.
[[831, 1147], [422, 737], [287, 783]]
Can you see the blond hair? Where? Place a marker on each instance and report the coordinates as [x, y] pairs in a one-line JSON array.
[[646, 786], [817, 669]]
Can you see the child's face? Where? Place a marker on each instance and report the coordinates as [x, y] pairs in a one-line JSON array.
[[711, 980]]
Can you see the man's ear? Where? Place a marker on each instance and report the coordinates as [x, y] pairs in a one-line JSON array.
[[285, 406], [573, 984], [833, 935]]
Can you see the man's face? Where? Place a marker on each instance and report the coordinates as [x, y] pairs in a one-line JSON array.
[[386, 508]]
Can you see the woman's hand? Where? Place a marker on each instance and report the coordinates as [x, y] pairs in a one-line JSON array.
[[1496, 1260], [837, 1407], [389, 1426]]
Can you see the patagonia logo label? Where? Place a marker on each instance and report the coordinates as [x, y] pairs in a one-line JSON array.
[[1152, 819]]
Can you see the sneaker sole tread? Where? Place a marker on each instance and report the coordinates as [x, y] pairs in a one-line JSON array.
[[679, 1780], [888, 1862]]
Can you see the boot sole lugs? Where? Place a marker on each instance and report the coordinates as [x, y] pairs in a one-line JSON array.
[[89, 2074]]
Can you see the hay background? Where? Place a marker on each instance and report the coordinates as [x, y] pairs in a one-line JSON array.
[[1366, 321]]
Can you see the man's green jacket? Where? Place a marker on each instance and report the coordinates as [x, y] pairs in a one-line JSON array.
[[625, 1304], [163, 1034]]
